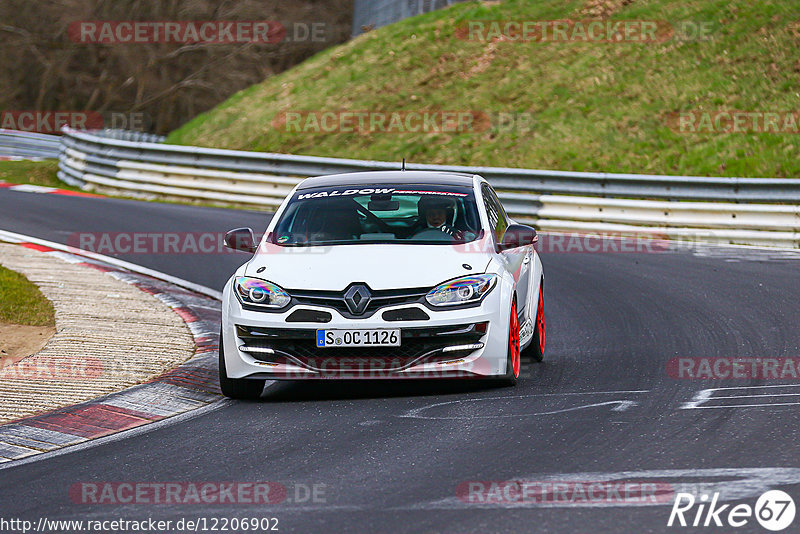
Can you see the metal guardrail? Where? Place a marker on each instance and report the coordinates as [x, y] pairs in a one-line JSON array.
[[33, 145], [371, 14], [129, 135], [739, 210], [28, 145]]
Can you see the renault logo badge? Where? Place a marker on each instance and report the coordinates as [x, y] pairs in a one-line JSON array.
[[357, 298]]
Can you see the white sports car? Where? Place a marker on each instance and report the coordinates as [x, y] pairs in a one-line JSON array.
[[395, 274]]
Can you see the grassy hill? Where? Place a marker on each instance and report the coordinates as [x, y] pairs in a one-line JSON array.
[[595, 106]]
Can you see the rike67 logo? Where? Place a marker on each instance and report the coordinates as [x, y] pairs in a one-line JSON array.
[[774, 510]]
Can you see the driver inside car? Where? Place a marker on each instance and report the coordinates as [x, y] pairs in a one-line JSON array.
[[437, 215]]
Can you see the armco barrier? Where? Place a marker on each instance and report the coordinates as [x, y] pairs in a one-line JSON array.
[[28, 145], [759, 211], [32, 145]]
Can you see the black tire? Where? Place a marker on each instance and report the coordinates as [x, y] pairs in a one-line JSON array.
[[237, 388], [510, 378], [535, 349]]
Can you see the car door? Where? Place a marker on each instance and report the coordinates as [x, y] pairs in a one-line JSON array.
[[517, 260]]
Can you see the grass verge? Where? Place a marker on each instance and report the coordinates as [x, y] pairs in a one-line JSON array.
[[22, 303], [33, 172]]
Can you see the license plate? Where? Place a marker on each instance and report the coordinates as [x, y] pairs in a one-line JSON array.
[[358, 338]]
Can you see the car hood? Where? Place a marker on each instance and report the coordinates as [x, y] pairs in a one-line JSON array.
[[378, 266]]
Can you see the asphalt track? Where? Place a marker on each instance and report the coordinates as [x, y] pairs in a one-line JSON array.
[[392, 455]]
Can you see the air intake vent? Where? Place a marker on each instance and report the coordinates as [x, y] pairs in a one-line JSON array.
[[309, 316], [405, 314]]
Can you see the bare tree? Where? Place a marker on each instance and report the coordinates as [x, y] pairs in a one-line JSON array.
[[43, 68]]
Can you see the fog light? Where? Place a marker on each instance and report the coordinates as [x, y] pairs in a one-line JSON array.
[[458, 348]]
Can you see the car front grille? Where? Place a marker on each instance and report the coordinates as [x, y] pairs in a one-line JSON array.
[[309, 316], [379, 299], [417, 345]]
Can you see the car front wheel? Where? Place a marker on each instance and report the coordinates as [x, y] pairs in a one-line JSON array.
[[514, 362], [237, 388]]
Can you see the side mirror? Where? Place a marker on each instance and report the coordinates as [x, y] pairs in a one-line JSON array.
[[517, 235], [241, 239]]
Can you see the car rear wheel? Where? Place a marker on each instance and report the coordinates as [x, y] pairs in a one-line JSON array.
[[535, 349], [237, 388]]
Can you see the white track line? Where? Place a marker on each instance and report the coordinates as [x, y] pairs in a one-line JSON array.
[[620, 405], [701, 399]]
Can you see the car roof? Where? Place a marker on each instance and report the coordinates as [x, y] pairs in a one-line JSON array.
[[388, 177]]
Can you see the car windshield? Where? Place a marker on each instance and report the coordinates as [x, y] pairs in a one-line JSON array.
[[420, 214]]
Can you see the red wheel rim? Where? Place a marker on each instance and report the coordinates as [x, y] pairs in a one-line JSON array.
[[513, 340], [540, 320]]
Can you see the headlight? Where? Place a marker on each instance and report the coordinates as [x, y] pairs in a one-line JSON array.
[[257, 292], [462, 290]]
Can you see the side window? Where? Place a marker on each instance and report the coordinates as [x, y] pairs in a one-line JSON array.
[[495, 212]]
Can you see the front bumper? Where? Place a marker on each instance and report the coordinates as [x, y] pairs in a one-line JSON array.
[[452, 343]]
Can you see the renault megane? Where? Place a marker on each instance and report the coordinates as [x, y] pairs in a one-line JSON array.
[[393, 274]]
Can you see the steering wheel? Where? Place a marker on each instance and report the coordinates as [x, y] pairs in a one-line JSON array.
[[374, 218], [432, 234]]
